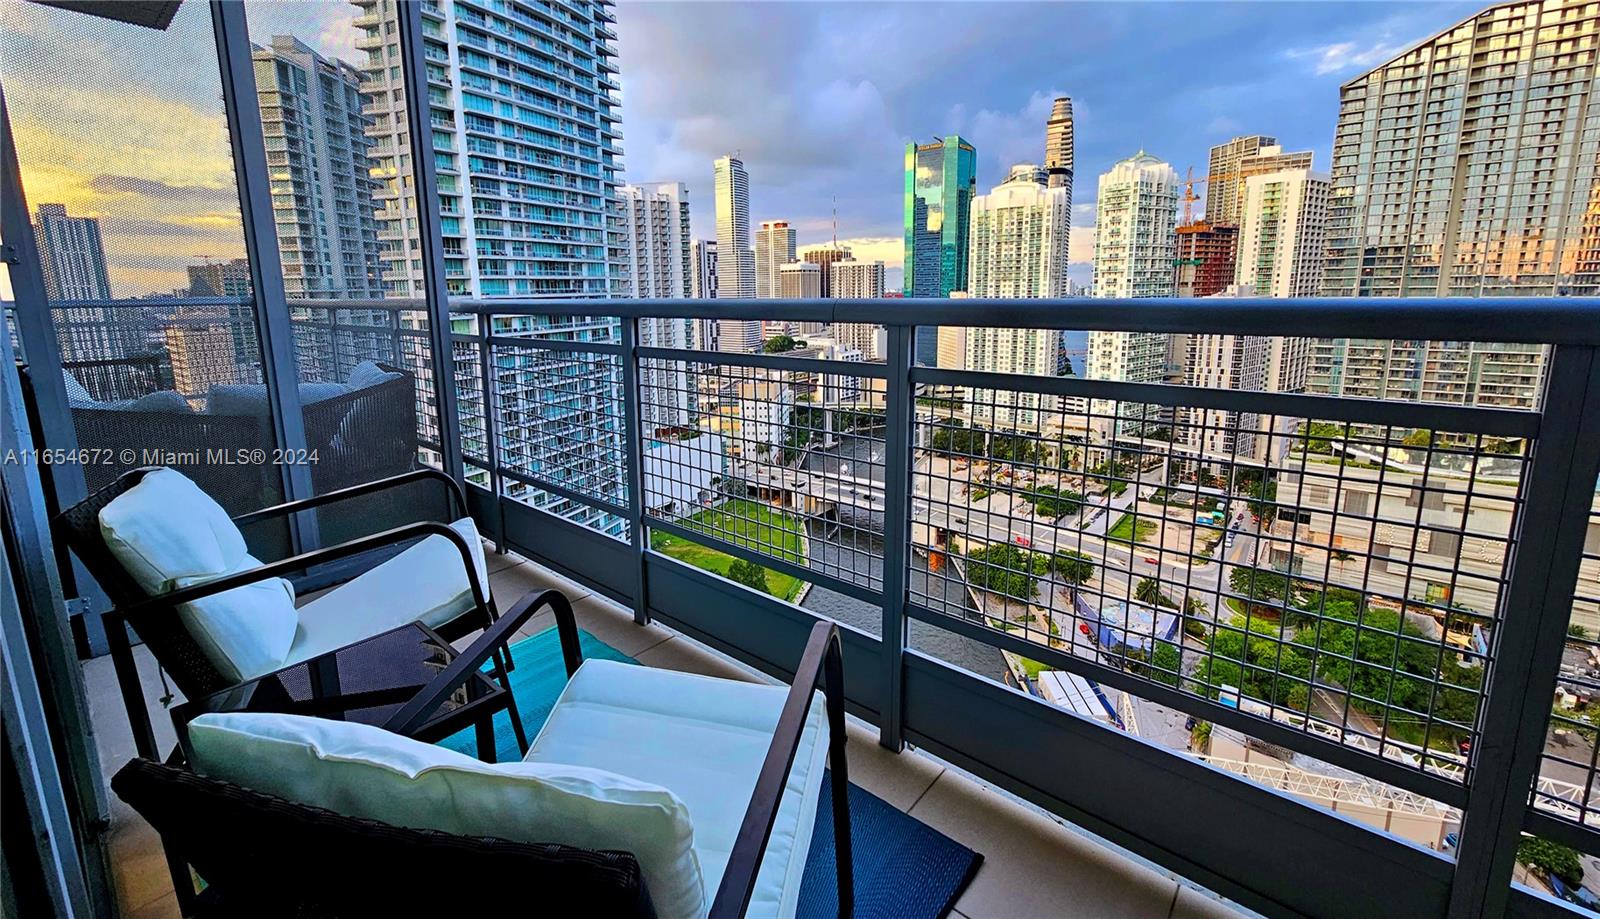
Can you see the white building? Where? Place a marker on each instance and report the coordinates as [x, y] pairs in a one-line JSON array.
[[775, 247], [800, 281], [1283, 233], [656, 219], [323, 191], [853, 279], [74, 263], [1017, 248], [704, 280], [1134, 247], [736, 267]]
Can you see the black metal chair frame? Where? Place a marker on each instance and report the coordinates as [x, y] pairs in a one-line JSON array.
[[821, 667], [155, 618]]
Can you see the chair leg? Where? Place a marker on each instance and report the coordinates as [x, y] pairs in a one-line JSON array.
[[485, 736], [833, 697], [127, 670], [502, 655]]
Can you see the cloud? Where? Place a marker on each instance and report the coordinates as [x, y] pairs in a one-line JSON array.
[[154, 188], [1080, 246], [1338, 57], [1006, 138]]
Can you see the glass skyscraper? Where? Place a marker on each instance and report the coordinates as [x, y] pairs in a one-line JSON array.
[[941, 180]]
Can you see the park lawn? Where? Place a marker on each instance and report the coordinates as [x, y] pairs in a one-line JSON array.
[[749, 524], [1130, 530], [1032, 667]]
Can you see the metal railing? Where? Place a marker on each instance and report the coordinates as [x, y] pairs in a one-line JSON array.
[[1369, 587]]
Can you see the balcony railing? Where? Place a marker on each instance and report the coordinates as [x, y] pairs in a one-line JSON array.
[[1377, 591], [1187, 618]]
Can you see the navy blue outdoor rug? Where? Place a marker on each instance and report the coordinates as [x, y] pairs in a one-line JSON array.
[[904, 868]]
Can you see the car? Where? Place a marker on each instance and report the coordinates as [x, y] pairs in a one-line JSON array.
[[1149, 560], [1023, 541]]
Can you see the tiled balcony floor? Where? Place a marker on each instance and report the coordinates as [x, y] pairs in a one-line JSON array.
[[1033, 865]]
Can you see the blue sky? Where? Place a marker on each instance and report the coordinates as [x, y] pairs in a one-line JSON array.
[[821, 98]]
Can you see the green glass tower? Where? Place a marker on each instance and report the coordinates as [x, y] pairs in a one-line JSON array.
[[941, 179]]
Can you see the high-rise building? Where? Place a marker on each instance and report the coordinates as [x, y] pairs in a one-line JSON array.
[[1283, 233], [800, 281], [1134, 249], [775, 247], [1465, 166], [1234, 162], [1059, 145], [827, 256], [200, 347], [858, 279], [522, 100], [656, 220], [1018, 249], [1135, 216], [1018, 240], [230, 278], [72, 255], [495, 245], [73, 259], [736, 263], [705, 269], [736, 267], [323, 188], [941, 180], [1206, 256]]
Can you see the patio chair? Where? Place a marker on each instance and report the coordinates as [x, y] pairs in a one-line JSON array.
[[709, 786], [177, 572]]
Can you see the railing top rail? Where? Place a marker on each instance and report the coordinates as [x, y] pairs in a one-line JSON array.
[[1539, 320]]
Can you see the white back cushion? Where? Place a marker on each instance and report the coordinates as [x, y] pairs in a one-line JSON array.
[[364, 771], [167, 533]]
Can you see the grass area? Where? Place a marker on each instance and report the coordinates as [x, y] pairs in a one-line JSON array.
[[1032, 667], [1129, 529], [749, 524]]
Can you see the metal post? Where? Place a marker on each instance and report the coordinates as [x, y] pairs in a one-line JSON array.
[[275, 331], [41, 351], [1544, 569], [491, 432], [633, 453], [425, 186], [898, 404]]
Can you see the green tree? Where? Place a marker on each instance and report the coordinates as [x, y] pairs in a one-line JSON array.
[[1577, 631], [1072, 567], [1262, 498], [1421, 437], [1148, 591], [1551, 858], [749, 574], [778, 344], [1006, 570], [1050, 501]]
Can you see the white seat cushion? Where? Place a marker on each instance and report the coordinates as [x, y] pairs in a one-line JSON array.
[[426, 583], [167, 533], [364, 771], [704, 738]]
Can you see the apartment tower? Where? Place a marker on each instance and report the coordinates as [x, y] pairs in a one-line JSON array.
[[1018, 248], [775, 247]]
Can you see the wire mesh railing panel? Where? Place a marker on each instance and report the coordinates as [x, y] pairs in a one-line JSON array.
[[1565, 786], [1342, 580], [784, 463], [559, 432]]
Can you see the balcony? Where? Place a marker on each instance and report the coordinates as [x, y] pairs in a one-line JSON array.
[[1051, 534]]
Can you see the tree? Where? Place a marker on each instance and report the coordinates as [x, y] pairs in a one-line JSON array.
[[1148, 591], [1072, 567], [1551, 858], [749, 574], [1050, 501], [778, 344], [1421, 437], [1262, 498], [1577, 631], [1006, 570]]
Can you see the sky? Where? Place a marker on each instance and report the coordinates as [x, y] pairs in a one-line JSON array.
[[819, 99]]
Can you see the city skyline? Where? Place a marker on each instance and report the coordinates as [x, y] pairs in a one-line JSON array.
[[1305, 51]]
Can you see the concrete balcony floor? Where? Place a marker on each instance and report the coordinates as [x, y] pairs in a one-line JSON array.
[[1034, 865]]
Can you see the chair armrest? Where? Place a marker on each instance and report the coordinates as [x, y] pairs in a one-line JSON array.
[[468, 662], [820, 664], [453, 489], [172, 598]]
